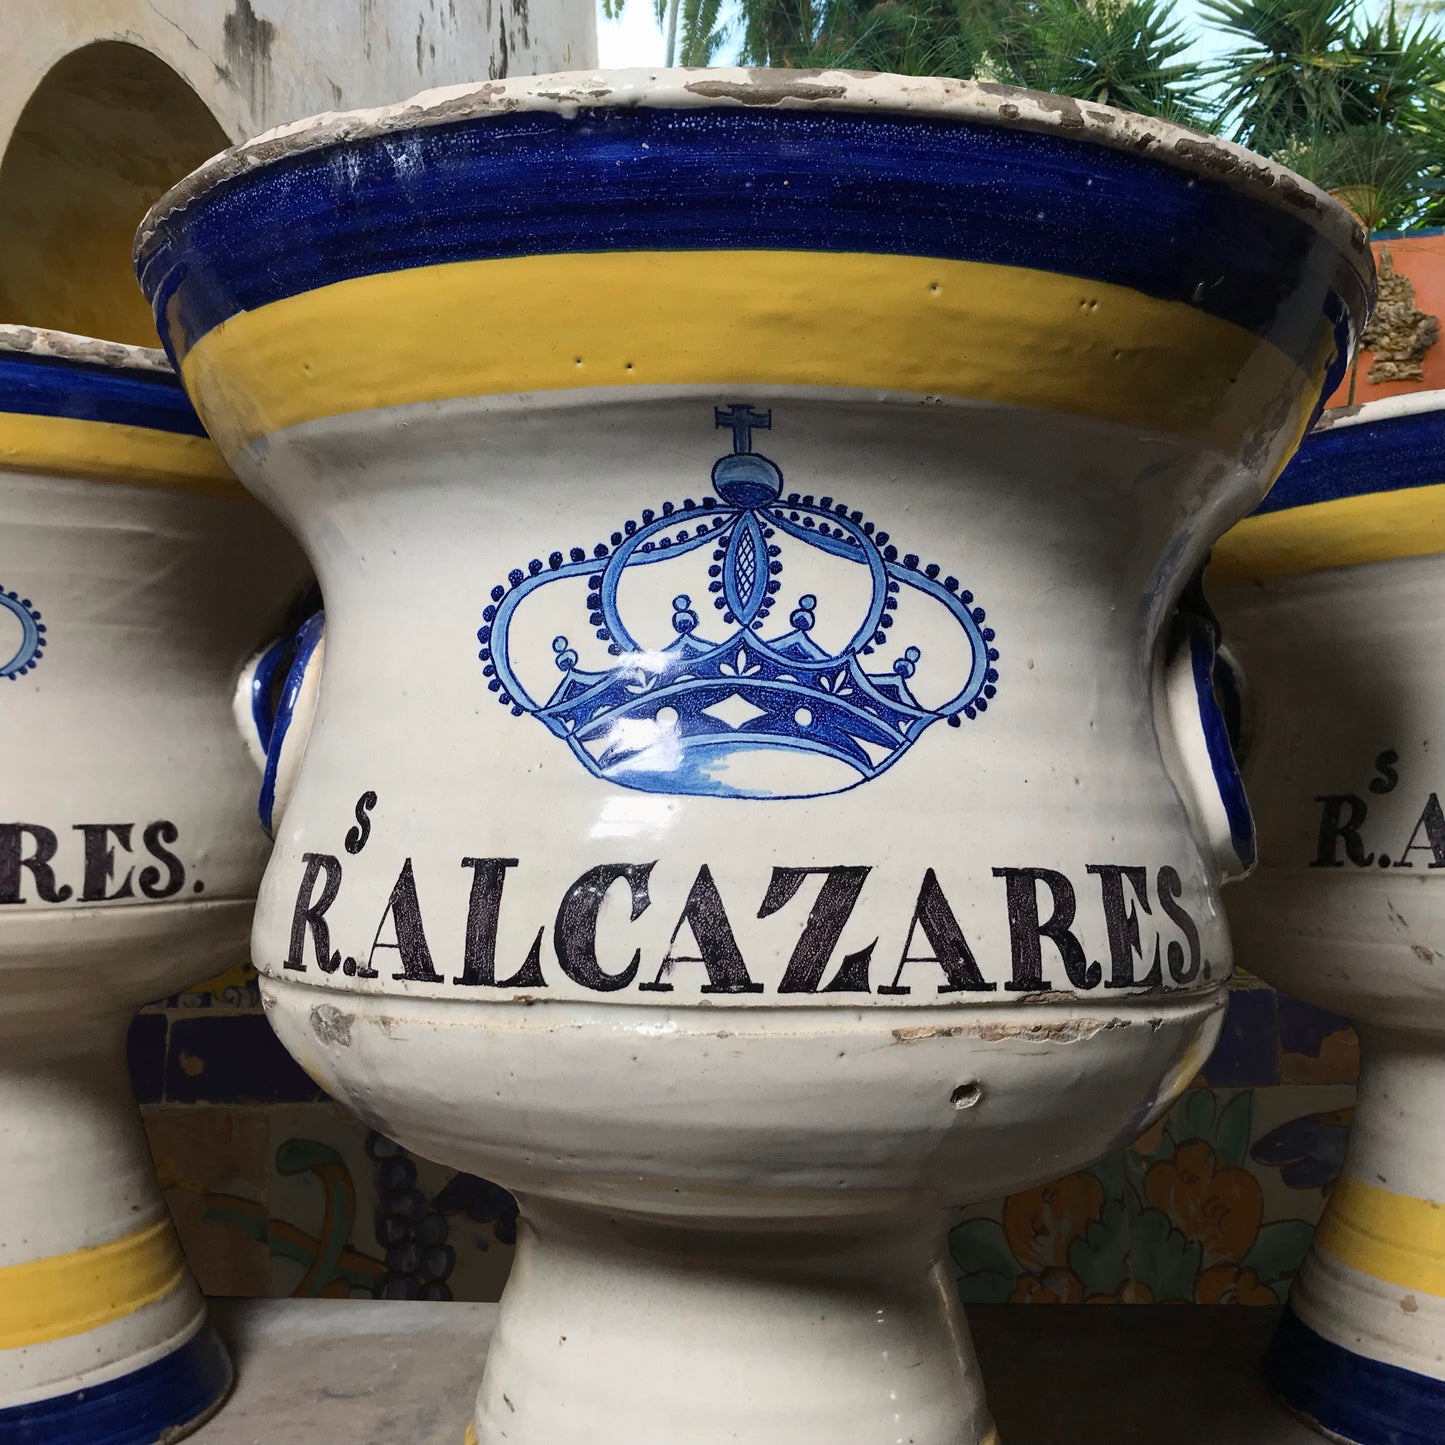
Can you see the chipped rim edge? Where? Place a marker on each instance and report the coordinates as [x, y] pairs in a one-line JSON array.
[[67, 346], [1385, 408], [567, 92]]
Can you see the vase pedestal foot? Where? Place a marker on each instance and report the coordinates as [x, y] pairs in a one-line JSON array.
[[1361, 1351], [103, 1332], [618, 1329]]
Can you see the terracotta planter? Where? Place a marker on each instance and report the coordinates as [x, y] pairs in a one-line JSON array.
[[135, 575], [1330, 599], [756, 795]]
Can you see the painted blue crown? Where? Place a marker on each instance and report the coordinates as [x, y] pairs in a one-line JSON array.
[[757, 697]]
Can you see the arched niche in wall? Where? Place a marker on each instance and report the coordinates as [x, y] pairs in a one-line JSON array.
[[107, 131]]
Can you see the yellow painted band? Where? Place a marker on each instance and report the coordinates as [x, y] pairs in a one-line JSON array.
[[99, 451], [1343, 533], [68, 1294], [719, 318], [1388, 1236], [470, 1438]]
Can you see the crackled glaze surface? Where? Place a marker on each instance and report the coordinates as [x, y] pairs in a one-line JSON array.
[[752, 788]]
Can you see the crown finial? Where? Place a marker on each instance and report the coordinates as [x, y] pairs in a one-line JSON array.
[[740, 419], [745, 478]]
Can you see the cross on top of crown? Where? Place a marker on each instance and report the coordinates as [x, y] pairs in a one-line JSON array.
[[740, 420]]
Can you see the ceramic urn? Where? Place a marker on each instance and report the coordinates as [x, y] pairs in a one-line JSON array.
[[135, 578], [1330, 597], [751, 790]]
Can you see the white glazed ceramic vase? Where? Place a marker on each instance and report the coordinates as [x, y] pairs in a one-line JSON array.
[[756, 796], [135, 577], [1331, 602]]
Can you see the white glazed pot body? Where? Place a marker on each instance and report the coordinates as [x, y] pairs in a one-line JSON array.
[[742, 905], [137, 577], [1343, 696]]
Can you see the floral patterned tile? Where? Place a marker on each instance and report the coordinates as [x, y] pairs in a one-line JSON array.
[[1203, 1227], [1066, 1242], [212, 1162], [353, 1213], [1298, 1147]]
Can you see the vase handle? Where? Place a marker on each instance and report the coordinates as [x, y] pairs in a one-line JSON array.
[[274, 705], [1200, 692]]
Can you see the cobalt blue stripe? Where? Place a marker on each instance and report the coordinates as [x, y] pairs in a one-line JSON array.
[[537, 183], [1203, 663], [54, 386], [1362, 1400], [1354, 461], [136, 1409], [308, 635]]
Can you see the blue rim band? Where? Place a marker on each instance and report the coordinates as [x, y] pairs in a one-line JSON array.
[[1389, 455], [136, 1409], [646, 179], [55, 386], [1362, 1400]]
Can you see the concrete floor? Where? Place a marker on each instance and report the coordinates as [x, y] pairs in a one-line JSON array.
[[355, 1372]]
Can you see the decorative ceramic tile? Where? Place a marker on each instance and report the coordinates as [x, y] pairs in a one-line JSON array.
[[232, 1058], [213, 1163], [322, 1204], [145, 1048], [235, 988], [1199, 1228], [1066, 1242], [1299, 1144], [356, 1214], [1316, 1047], [1248, 1049]]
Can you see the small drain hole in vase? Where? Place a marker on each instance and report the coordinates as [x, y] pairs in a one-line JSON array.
[[965, 1096]]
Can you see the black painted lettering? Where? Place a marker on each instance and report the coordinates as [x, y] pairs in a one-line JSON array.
[[1387, 774], [826, 921], [155, 837], [575, 935], [934, 915], [1170, 888], [717, 949], [356, 837], [404, 910], [1336, 828], [1432, 822], [479, 953], [13, 858], [1121, 923], [1027, 931], [309, 914], [100, 861]]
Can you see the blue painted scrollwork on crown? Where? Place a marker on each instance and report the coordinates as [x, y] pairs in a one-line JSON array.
[[20, 653], [742, 699]]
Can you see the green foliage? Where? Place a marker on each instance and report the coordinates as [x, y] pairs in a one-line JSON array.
[[1350, 101], [1117, 52]]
